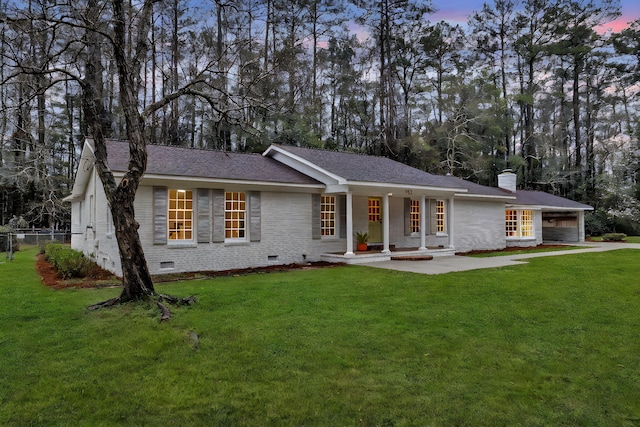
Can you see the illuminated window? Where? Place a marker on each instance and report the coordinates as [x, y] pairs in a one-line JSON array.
[[180, 215], [440, 216], [235, 213], [414, 216], [518, 223], [511, 223], [526, 224], [328, 215], [375, 209]]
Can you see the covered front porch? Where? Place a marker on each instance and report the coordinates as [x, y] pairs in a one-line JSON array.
[[399, 222]]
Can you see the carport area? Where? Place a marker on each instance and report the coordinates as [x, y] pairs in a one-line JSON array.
[[561, 226]]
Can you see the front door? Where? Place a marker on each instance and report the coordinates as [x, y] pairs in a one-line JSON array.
[[375, 219]]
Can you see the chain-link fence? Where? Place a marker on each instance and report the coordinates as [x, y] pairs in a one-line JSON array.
[[11, 241]]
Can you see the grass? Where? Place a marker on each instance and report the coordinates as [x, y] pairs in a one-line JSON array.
[[531, 250], [628, 239], [553, 342]]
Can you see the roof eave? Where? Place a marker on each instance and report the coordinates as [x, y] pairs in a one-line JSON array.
[[199, 179], [85, 168], [548, 207]]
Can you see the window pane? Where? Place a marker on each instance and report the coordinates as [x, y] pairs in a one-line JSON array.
[[180, 212], [511, 223], [440, 216], [235, 212], [327, 215], [414, 216]]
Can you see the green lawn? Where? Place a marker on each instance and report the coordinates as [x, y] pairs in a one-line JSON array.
[[531, 250], [554, 342], [628, 239]]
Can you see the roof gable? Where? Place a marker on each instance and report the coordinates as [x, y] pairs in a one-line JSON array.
[[355, 167]]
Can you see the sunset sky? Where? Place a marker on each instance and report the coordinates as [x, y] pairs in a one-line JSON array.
[[457, 11]]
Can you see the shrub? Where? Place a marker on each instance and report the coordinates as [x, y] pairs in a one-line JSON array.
[[597, 223], [614, 237], [69, 262]]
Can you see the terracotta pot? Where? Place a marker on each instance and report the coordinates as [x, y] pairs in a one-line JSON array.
[[362, 247]]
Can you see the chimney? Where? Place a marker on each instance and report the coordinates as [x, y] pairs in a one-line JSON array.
[[507, 180]]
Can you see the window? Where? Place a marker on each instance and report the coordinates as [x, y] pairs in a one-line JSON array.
[[180, 215], [440, 217], [235, 213], [375, 209], [511, 224], [526, 222], [414, 216], [328, 216], [109, 223], [518, 223]]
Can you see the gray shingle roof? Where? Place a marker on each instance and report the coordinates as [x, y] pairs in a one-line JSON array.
[[182, 161], [540, 198], [477, 189], [363, 168]]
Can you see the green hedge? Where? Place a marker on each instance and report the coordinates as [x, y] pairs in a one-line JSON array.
[[69, 262], [614, 237]]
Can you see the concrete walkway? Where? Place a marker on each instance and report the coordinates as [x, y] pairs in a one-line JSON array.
[[448, 264]]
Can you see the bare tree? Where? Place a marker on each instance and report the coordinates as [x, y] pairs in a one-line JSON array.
[[97, 32]]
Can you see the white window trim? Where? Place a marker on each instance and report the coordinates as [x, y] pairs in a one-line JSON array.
[[442, 233], [519, 235], [333, 236], [181, 242], [419, 218], [237, 240]]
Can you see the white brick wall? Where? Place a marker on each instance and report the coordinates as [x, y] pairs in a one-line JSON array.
[[286, 237], [479, 225], [286, 232]]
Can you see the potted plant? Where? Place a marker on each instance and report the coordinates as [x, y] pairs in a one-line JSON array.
[[362, 238]]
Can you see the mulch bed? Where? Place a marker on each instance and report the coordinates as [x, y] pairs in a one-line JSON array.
[[97, 277], [100, 278]]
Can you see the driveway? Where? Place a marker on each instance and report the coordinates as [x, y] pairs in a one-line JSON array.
[[448, 264]]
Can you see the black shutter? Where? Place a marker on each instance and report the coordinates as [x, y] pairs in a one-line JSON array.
[[342, 215], [315, 216], [407, 216]]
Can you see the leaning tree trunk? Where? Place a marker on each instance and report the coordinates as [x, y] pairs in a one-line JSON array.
[[135, 272]]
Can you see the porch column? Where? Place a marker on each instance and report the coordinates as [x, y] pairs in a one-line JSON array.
[[349, 224], [423, 224], [451, 224], [581, 235], [385, 224]]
